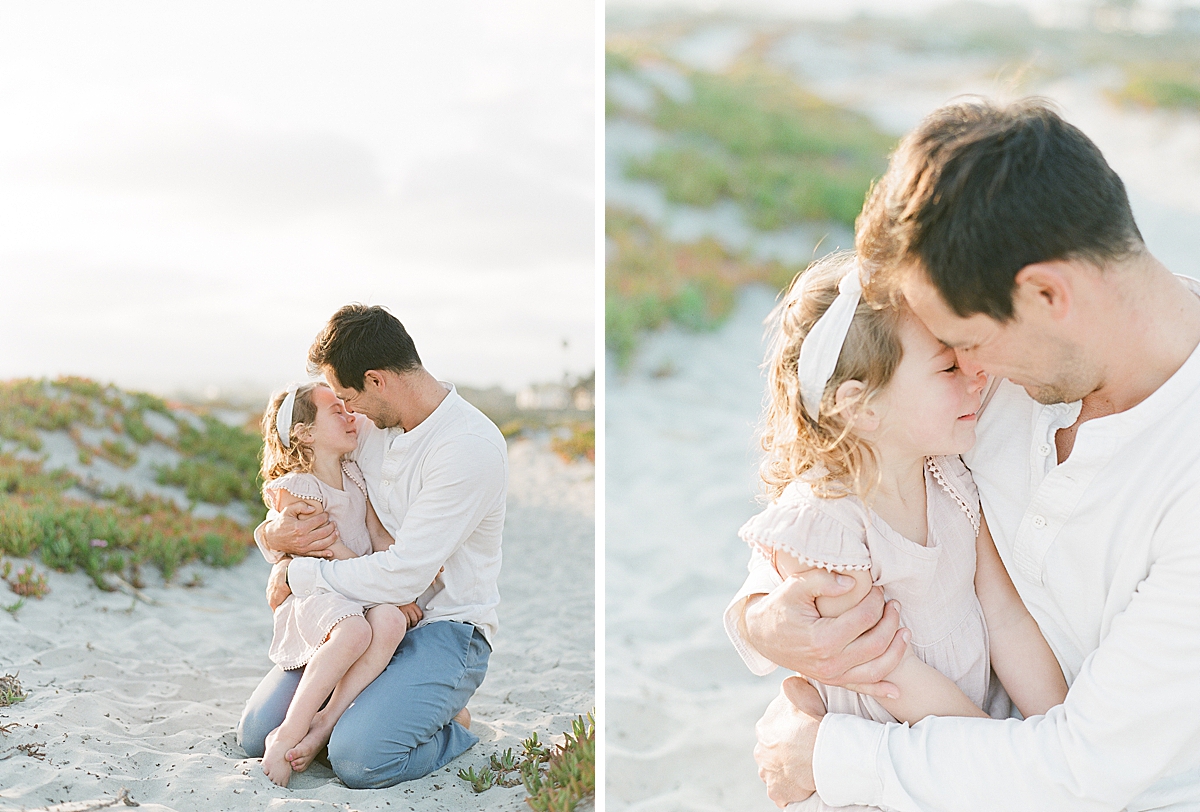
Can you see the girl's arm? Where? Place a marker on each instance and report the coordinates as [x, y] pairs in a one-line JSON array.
[[381, 539], [284, 498], [1021, 657], [924, 691]]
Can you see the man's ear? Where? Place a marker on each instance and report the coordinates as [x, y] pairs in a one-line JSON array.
[[1045, 287], [848, 399], [373, 378]]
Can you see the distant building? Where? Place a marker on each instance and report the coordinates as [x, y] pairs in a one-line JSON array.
[[581, 396], [543, 396]]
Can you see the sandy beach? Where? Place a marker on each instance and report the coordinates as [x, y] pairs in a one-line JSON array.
[[123, 693], [681, 480], [681, 421]]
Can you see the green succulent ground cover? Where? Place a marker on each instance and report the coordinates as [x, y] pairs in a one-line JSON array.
[[73, 525], [650, 281], [752, 136], [220, 464], [756, 137], [557, 777], [1166, 85]]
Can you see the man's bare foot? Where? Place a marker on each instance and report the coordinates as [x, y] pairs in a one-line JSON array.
[[463, 717], [275, 763], [317, 737]]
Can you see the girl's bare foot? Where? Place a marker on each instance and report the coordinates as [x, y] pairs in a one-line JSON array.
[[275, 763], [317, 737], [463, 717]]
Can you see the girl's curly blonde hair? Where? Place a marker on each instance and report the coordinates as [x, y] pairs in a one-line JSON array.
[[836, 461], [276, 459]]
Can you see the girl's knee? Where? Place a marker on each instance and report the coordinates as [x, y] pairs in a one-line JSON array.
[[388, 623], [354, 632]]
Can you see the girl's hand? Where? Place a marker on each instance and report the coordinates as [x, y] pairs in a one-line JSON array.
[[277, 585], [413, 613]]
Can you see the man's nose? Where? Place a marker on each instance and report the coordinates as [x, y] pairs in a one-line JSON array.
[[977, 382], [969, 366]]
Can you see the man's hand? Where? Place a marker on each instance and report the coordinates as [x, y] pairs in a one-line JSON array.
[[787, 736], [855, 650], [277, 585], [301, 529], [413, 613]]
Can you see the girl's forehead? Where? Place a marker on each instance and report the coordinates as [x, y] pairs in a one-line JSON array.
[[917, 340], [323, 398]]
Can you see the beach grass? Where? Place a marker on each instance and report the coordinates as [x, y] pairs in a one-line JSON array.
[[650, 280], [757, 137], [10, 691]]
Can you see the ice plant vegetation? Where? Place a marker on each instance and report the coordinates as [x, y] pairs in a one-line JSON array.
[[72, 520]]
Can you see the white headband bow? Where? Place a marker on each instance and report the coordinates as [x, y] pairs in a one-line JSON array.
[[283, 420], [823, 345]]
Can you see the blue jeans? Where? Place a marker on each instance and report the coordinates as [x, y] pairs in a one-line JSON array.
[[401, 726]]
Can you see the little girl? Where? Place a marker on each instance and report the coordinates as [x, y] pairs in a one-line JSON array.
[[306, 433], [867, 413]]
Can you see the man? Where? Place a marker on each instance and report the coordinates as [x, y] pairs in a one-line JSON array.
[[437, 473], [1012, 239]]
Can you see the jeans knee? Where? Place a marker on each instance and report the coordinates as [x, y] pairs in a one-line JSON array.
[[252, 731], [360, 767]]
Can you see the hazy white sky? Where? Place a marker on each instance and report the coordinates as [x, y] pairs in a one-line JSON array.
[[188, 191]]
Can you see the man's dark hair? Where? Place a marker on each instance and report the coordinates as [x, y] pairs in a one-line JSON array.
[[979, 190], [358, 338]]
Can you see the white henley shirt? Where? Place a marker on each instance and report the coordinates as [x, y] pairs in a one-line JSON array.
[[440, 491], [1105, 551]]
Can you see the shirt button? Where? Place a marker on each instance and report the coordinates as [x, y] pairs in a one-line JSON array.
[[1039, 522], [1044, 449], [385, 483]]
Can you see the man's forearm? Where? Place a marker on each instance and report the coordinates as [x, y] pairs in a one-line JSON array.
[[1119, 731], [376, 578]]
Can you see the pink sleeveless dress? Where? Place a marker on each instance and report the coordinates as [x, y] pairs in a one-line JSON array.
[[934, 583], [302, 624]]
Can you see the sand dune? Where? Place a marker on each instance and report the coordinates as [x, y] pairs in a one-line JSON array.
[[123, 693]]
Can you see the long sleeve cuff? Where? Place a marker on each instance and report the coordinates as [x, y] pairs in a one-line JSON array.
[[762, 579], [272, 556], [846, 760], [304, 577]]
